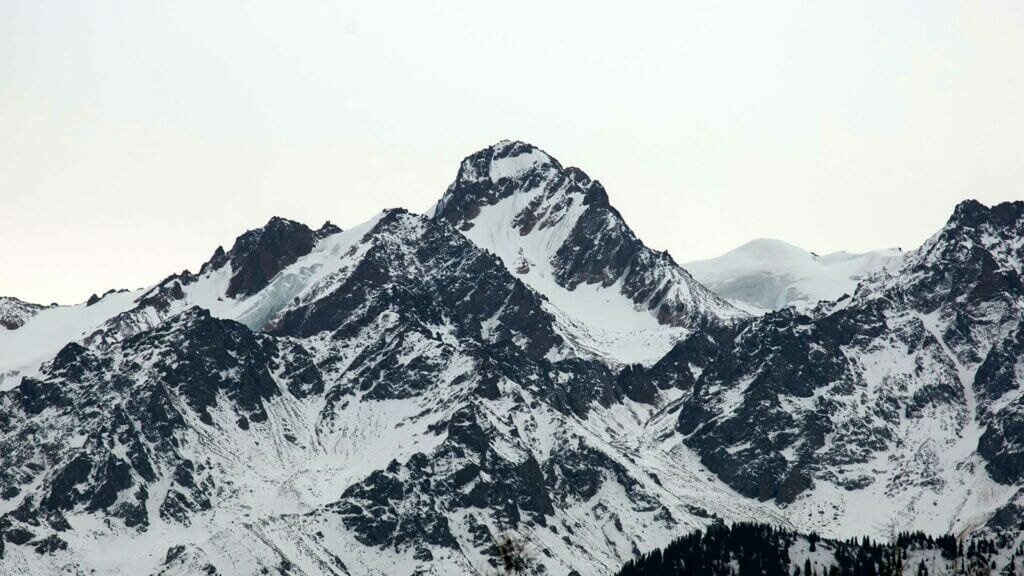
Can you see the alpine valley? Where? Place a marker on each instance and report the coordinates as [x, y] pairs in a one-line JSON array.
[[402, 396]]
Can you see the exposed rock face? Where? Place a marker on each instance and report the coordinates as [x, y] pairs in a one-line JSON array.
[[559, 220], [256, 257], [480, 482], [112, 433], [998, 383], [14, 313], [418, 284], [892, 388], [399, 271], [260, 254]]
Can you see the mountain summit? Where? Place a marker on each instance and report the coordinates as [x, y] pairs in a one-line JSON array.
[[554, 228], [767, 274]]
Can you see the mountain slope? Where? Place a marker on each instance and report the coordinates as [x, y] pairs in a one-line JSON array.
[[880, 402], [767, 274], [46, 330], [407, 402], [225, 284], [554, 228]]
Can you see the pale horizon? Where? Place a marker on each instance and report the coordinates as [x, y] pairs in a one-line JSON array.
[[135, 138]]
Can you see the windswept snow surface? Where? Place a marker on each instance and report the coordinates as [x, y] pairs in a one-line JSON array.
[[768, 274]]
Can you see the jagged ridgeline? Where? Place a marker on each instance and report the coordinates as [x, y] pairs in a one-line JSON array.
[[760, 549], [514, 371]]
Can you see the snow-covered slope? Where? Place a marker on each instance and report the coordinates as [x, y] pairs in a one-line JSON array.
[[234, 285], [768, 274], [47, 330], [407, 401], [554, 228], [898, 406]]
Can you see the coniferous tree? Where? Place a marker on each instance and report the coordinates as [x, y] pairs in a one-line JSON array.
[[899, 561], [763, 550]]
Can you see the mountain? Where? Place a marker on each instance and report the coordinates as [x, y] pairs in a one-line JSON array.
[[403, 398], [554, 228], [768, 274], [883, 407], [406, 395]]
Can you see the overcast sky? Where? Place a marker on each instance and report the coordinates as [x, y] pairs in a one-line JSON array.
[[135, 137]]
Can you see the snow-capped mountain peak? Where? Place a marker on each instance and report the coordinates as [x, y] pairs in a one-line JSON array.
[[556, 230], [974, 229], [768, 274]]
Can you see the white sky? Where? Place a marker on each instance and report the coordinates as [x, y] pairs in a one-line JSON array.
[[137, 136]]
